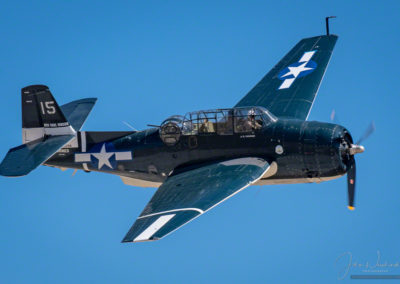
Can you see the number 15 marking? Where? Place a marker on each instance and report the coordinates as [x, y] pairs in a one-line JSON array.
[[48, 107]]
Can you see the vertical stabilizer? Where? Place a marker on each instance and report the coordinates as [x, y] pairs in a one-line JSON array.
[[41, 115]]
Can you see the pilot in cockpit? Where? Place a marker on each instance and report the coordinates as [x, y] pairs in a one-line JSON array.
[[255, 123], [251, 122]]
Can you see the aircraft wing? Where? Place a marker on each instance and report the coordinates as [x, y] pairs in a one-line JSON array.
[[290, 88], [189, 194]]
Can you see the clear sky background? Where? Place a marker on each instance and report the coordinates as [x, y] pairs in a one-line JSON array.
[[147, 60]]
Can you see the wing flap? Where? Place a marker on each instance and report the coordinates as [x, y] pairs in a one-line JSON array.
[[191, 193]]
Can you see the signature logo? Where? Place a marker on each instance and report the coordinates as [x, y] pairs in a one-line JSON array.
[[346, 265]]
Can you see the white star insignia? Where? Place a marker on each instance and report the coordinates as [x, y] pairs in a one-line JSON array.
[[295, 71], [103, 157]]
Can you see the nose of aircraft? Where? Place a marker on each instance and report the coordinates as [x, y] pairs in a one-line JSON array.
[[356, 149], [346, 147]]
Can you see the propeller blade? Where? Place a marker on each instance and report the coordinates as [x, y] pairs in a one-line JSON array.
[[367, 133], [334, 117], [333, 114], [130, 126], [351, 182]]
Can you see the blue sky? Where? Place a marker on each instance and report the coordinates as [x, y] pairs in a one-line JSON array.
[[148, 60]]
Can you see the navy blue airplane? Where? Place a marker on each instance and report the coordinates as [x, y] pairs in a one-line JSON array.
[[202, 158]]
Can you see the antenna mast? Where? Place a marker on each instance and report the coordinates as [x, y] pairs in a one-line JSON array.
[[327, 23]]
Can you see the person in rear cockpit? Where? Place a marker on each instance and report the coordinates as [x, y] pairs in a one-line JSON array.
[[206, 126]]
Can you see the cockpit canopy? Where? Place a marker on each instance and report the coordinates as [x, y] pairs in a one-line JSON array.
[[219, 121]]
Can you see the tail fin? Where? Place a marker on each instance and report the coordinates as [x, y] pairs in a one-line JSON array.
[[41, 115], [44, 131]]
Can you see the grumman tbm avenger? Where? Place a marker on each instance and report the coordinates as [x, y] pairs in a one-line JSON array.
[[202, 158]]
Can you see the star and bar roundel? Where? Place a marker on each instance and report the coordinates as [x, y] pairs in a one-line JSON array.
[[103, 156], [298, 69]]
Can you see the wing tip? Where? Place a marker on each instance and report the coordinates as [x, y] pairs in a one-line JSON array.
[[322, 36], [139, 241]]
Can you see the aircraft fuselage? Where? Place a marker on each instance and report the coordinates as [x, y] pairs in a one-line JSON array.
[[304, 151]]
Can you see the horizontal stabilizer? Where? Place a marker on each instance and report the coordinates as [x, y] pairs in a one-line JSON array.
[[21, 160], [76, 112]]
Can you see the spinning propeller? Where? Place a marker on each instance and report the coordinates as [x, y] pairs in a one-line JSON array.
[[348, 150]]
